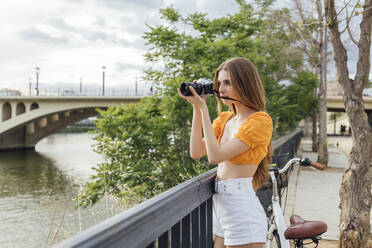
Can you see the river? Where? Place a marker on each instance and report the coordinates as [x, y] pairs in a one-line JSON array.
[[37, 190]]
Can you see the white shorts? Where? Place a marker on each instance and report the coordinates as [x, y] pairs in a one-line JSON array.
[[238, 215]]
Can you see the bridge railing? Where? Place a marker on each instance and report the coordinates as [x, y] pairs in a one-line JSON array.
[[76, 91], [179, 217]]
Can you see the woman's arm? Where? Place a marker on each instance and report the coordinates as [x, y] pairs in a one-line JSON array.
[[216, 152], [197, 145], [219, 152]]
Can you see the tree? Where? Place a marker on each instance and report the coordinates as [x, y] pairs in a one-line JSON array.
[[355, 191], [255, 34], [322, 95], [308, 27], [297, 94], [146, 145]]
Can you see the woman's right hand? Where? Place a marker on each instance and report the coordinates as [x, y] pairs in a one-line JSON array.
[[196, 100]]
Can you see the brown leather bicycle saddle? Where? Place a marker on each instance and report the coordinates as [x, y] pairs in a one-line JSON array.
[[302, 229]]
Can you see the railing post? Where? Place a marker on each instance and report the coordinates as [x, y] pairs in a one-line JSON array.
[[203, 225], [195, 228], [186, 231], [175, 235], [209, 223], [163, 241]]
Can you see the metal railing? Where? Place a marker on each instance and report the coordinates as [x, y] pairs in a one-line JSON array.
[[179, 217], [90, 91]]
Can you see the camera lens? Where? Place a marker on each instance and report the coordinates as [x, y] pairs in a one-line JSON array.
[[185, 89], [203, 86]]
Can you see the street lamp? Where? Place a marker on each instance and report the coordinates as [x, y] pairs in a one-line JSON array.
[[103, 80], [81, 85], [135, 87], [29, 86], [37, 80]]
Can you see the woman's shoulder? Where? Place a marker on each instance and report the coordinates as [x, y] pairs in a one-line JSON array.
[[260, 115], [225, 114], [258, 119], [256, 130]]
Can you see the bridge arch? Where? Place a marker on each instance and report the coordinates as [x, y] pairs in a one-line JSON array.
[[29, 119], [27, 134], [34, 106], [46, 125], [21, 108], [7, 111]]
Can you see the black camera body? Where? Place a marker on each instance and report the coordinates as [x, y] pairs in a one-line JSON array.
[[201, 86]]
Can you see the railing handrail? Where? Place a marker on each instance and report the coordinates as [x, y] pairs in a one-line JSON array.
[[280, 141], [158, 214], [141, 225]]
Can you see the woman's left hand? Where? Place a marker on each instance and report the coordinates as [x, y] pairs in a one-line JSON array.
[[196, 100]]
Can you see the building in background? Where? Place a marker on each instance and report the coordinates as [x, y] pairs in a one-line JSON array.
[[9, 92]]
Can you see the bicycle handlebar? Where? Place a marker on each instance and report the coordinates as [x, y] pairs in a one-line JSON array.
[[318, 166], [289, 165], [302, 162], [281, 179]]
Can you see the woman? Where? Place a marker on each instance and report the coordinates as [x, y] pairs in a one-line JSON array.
[[239, 141]]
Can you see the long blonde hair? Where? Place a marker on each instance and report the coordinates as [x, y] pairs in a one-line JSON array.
[[246, 82]]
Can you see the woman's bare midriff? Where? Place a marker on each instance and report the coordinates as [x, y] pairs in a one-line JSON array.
[[227, 170]]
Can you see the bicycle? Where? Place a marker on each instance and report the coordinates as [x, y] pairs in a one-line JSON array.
[[300, 229]]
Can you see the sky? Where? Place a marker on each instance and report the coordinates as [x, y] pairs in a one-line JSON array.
[[71, 40]]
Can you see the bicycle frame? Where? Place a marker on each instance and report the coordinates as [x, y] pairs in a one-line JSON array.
[[276, 221], [279, 223]]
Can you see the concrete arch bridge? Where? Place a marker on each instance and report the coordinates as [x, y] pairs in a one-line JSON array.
[[26, 120]]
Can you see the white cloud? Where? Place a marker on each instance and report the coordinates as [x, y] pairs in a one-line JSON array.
[[69, 39]]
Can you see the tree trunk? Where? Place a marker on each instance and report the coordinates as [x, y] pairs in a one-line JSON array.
[[315, 132], [322, 145], [355, 191], [322, 94]]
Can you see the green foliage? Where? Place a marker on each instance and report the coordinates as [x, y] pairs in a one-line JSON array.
[[145, 149], [146, 145], [296, 104]]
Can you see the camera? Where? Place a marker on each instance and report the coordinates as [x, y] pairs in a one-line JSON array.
[[201, 86]]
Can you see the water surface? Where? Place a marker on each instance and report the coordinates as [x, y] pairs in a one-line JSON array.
[[37, 188]]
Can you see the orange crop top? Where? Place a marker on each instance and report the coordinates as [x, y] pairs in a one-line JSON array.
[[256, 132]]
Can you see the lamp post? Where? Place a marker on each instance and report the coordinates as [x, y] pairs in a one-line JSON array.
[[81, 85], [37, 80], [103, 80], [135, 87], [29, 86]]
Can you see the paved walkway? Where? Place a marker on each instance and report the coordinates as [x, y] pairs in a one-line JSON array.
[[313, 194]]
